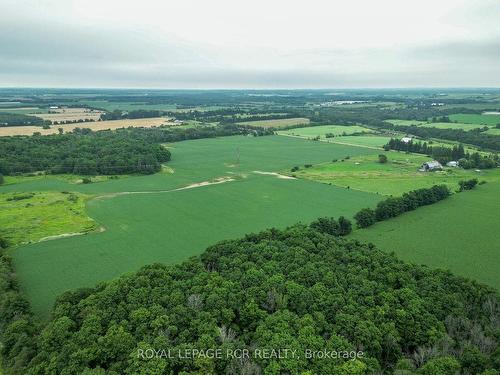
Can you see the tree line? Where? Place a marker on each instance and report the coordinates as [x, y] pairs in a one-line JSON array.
[[395, 206], [298, 288]]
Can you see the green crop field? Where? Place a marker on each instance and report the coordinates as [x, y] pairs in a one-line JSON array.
[[399, 175], [277, 123], [459, 234], [489, 120], [156, 224], [321, 131]]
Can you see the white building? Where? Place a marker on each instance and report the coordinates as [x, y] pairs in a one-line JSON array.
[[406, 139]]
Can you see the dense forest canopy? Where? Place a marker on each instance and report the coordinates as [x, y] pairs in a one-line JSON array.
[[298, 289]]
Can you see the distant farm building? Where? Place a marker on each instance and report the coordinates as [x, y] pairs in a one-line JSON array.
[[406, 139], [452, 164], [431, 166]]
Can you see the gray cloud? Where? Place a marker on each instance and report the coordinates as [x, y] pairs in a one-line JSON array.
[[45, 51]]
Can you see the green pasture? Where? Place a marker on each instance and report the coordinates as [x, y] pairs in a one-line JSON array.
[[322, 131], [146, 220], [399, 175], [488, 120], [459, 234]]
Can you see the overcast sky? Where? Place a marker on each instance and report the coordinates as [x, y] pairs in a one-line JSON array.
[[249, 44]]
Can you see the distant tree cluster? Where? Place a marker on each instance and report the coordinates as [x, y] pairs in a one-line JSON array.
[[17, 119], [395, 206], [445, 154], [81, 152], [298, 289]]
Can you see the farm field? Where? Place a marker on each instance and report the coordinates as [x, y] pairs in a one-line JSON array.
[[371, 141], [399, 175], [97, 125], [278, 123], [24, 110], [483, 119], [322, 131], [156, 223], [70, 114], [459, 234], [202, 160]]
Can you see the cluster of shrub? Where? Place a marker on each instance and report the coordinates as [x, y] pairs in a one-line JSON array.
[[298, 288], [445, 154], [467, 184], [395, 206]]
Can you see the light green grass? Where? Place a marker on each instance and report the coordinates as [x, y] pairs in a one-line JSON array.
[[399, 175], [278, 123], [459, 234], [161, 226], [321, 131], [406, 122], [489, 120], [374, 141], [493, 131], [42, 214]]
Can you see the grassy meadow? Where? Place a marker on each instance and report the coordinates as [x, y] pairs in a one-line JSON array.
[[30, 217], [399, 175], [459, 234]]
